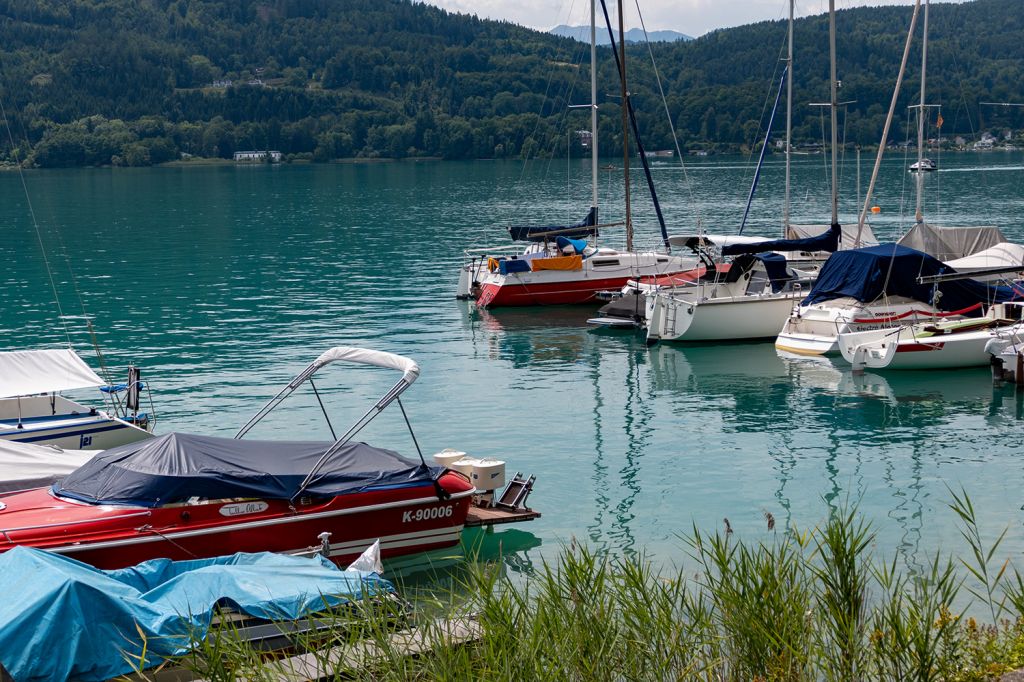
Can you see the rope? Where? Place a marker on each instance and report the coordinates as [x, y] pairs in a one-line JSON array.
[[323, 409], [35, 223], [409, 426], [671, 124], [149, 529]]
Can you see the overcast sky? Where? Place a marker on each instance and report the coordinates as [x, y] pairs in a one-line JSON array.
[[693, 17]]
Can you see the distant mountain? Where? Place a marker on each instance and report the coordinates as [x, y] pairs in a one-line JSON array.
[[633, 35]]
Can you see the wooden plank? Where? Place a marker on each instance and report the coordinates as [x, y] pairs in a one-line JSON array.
[[491, 516], [413, 642]]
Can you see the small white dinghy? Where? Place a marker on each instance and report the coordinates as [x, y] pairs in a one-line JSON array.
[[945, 344], [32, 409]]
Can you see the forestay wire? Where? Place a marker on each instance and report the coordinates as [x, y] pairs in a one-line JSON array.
[[35, 223]]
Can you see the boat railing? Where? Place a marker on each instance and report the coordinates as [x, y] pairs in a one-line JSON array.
[[486, 250]]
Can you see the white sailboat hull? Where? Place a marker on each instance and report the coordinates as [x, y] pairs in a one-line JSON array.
[[901, 349], [56, 420], [672, 318]]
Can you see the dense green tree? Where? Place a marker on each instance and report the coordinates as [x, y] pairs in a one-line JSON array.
[[103, 81]]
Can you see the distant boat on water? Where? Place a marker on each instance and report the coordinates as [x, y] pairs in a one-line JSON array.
[[923, 166]]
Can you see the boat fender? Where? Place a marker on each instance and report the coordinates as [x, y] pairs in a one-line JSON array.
[[442, 494]]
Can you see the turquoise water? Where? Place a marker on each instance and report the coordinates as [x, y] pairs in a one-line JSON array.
[[223, 282]]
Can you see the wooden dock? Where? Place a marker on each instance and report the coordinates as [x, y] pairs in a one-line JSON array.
[[493, 516], [361, 655]]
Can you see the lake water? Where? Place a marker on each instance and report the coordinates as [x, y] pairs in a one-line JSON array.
[[223, 282]]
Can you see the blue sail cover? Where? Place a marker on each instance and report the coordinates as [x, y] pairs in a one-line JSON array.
[[775, 266], [61, 619], [826, 241], [892, 270], [177, 466], [528, 233]]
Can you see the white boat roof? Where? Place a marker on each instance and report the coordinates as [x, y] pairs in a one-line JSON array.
[[30, 372], [718, 239], [1004, 254], [24, 465]]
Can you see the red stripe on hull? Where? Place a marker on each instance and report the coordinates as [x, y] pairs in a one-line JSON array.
[[554, 293], [112, 538], [918, 347]]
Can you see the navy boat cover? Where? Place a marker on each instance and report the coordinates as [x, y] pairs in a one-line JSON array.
[[892, 270], [827, 241], [177, 466], [529, 233], [61, 619], [775, 266]]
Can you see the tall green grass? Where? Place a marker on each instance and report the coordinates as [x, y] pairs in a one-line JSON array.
[[814, 605]]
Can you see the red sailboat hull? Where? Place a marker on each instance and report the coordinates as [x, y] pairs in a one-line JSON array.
[[406, 520], [553, 293]]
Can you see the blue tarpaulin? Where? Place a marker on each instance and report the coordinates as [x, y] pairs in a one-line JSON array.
[[827, 241], [893, 270], [510, 265], [578, 245], [62, 619], [538, 233], [177, 466]]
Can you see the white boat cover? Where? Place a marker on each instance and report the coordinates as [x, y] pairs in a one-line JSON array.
[[24, 465], [30, 372], [364, 356], [717, 239], [1001, 255], [949, 243], [847, 241]]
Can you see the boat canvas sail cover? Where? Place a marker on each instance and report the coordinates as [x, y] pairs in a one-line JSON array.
[[892, 270], [538, 233], [31, 372], [848, 240], [828, 241], [61, 619], [950, 243], [178, 466], [24, 465]]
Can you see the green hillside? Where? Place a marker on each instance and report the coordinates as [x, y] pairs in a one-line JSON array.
[[91, 82]]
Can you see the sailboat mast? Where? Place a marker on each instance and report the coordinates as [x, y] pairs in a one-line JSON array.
[[834, 106], [593, 109], [919, 184], [625, 125], [789, 121]]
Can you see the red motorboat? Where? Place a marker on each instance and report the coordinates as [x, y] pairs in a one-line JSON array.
[[183, 496]]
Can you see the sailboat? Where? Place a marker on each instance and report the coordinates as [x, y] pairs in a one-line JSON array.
[[34, 410], [757, 293], [815, 325], [559, 265]]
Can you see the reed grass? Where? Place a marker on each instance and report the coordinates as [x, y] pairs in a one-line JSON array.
[[814, 605]]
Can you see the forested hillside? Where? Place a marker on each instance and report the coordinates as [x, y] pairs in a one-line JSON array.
[[136, 82]]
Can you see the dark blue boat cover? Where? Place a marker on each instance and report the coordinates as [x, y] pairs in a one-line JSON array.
[[892, 270], [177, 466], [61, 619], [510, 265], [527, 233], [775, 266], [826, 241]]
